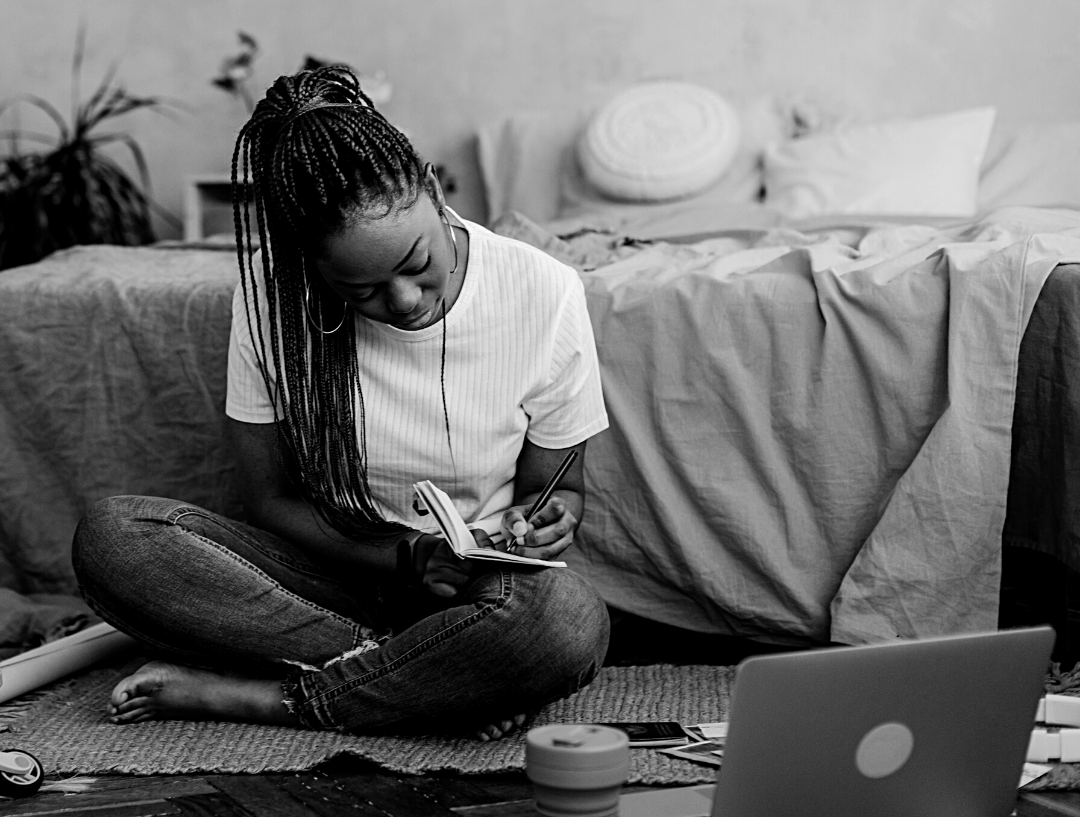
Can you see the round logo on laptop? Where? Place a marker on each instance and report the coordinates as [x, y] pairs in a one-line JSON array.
[[884, 750]]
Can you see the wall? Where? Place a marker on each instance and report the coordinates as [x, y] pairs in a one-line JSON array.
[[455, 63]]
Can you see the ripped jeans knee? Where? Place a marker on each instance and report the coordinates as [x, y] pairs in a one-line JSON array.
[[515, 642]]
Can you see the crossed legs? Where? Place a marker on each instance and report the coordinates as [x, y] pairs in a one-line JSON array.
[[251, 629]]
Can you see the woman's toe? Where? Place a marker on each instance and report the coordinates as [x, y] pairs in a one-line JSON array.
[[133, 705], [128, 717], [121, 693]]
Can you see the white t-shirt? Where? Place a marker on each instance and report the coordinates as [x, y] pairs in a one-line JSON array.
[[520, 363]]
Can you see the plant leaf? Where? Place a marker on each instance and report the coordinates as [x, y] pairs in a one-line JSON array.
[[25, 134], [74, 193], [42, 104], [117, 104], [99, 92], [137, 154], [76, 68]]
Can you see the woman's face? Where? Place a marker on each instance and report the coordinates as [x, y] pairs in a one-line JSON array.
[[393, 269]]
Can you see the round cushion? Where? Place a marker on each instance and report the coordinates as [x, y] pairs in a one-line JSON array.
[[659, 141]]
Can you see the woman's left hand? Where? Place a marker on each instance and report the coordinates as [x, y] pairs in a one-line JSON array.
[[549, 534], [443, 572]]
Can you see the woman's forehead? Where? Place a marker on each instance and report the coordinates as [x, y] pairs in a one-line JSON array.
[[373, 249]]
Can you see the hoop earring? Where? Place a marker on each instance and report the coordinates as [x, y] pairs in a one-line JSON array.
[[453, 238], [307, 312]]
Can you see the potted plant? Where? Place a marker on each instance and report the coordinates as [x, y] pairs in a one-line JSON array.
[[236, 70], [72, 192]]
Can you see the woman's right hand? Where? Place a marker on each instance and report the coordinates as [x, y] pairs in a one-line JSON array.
[[440, 570]]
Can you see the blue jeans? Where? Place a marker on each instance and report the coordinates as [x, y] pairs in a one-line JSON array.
[[355, 654]]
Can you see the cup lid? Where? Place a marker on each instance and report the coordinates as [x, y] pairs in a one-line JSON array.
[[576, 746]]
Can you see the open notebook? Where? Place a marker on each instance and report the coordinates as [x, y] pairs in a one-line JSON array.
[[457, 533]]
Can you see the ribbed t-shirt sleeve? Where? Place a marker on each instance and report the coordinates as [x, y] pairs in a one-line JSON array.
[[569, 406], [246, 397]]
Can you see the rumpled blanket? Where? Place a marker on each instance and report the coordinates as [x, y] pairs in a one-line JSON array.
[[810, 432], [1044, 484], [112, 381], [30, 621], [810, 428]]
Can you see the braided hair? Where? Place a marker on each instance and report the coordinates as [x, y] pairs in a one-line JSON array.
[[313, 154]]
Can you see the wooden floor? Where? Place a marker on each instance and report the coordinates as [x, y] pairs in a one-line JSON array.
[[348, 786], [342, 787]]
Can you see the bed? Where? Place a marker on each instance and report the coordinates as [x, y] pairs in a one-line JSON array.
[[786, 505], [791, 457]]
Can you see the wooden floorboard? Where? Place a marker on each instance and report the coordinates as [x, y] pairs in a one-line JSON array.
[[260, 795], [110, 791], [324, 796], [212, 805], [514, 808], [75, 806], [1048, 804], [342, 787]]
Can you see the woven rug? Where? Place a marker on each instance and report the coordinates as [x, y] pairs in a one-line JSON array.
[[65, 726]]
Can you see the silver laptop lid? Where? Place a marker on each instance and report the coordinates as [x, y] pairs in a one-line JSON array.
[[937, 726]]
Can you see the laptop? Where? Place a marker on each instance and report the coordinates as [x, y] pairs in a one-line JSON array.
[[934, 726]]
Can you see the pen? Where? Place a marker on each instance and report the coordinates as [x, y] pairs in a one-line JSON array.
[[552, 483]]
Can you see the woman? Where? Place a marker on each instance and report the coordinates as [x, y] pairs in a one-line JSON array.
[[377, 340]]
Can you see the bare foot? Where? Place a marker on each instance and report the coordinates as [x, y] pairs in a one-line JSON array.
[[494, 731], [160, 691]]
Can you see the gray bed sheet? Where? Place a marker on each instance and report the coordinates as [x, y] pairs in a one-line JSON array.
[[810, 428], [766, 416], [112, 381]]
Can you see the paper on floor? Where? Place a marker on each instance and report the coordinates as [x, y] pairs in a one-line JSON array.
[[32, 669]]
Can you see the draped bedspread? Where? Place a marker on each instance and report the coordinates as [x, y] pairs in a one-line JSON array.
[[810, 430], [811, 439], [112, 381]]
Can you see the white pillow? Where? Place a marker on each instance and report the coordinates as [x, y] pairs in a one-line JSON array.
[[522, 158], [925, 166], [1034, 165], [659, 141], [528, 163]]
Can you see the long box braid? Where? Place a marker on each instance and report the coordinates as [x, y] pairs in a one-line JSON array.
[[315, 150]]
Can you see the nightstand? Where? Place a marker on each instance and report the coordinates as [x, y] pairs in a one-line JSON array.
[[207, 206]]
